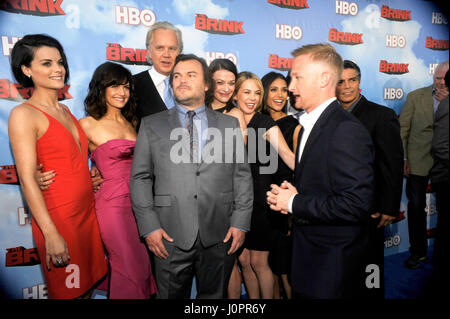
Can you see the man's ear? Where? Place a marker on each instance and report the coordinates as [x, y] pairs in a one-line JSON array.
[[325, 79]]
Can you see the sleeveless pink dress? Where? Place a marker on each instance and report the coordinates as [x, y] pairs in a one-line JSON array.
[[130, 275]]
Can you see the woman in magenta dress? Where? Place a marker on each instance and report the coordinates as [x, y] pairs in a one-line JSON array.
[[110, 129]]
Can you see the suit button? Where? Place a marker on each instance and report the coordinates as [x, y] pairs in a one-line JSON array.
[[195, 196], [198, 173]]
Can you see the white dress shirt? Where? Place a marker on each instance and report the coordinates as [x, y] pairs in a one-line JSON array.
[[158, 80], [307, 121]]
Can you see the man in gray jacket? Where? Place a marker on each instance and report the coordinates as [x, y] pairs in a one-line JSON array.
[[416, 130], [194, 210]]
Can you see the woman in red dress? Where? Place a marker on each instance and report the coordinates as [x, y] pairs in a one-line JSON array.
[[41, 130]]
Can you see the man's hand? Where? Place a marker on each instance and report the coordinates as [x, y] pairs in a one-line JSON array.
[[278, 198], [406, 169], [441, 93], [96, 178], [156, 245], [385, 219], [238, 239], [44, 179]]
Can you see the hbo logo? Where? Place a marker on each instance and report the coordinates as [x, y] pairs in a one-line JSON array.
[[285, 31], [395, 41], [345, 8], [393, 94]]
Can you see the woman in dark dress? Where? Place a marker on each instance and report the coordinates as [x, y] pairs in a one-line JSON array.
[[223, 73], [274, 103], [262, 132]]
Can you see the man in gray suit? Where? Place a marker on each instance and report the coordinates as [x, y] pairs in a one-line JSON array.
[[192, 211]]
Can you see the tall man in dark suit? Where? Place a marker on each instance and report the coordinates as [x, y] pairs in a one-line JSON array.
[[163, 42], [384, 128], [333, 194], [416, 129], [193, 213]]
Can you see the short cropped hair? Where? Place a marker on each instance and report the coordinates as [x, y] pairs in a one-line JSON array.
[[352, 65], [23, 54], [166, 26], [188, 57], [322, 52], [244, 76]]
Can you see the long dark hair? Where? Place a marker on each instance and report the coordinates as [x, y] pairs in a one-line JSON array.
[[267, 80], [108, 74], [23, 54], [216, 65]]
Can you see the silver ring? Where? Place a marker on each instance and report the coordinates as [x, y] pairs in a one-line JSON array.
[[59, 261], [41, 180]]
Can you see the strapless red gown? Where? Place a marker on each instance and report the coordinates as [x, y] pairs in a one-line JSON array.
[[70, 202]]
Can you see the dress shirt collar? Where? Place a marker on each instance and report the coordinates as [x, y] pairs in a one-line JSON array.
[[352, 107], [200, 113], [307, 120], [157, 77]]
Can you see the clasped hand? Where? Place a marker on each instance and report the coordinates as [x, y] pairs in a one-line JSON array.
[[279, 196]]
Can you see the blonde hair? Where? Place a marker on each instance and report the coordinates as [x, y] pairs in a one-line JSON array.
[[322, 52], [244, 76]]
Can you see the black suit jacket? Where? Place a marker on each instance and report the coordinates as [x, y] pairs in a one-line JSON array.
[[384, 128], [148, 99], [331, 212]]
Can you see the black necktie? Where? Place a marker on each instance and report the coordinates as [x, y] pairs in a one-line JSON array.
[[192, 136]]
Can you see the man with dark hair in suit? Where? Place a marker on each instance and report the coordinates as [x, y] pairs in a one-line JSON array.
[[193, 213], [163, 42], [333, 194], [416, 129], [384, 128]]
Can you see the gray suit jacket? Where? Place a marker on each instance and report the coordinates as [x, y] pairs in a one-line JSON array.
[[186, 199], [439, 146]]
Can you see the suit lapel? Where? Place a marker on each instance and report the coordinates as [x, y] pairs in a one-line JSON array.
[[174, 123], [315, 133], [212, 123]]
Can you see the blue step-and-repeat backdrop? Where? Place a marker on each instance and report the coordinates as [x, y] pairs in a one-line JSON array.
[[397, 44]]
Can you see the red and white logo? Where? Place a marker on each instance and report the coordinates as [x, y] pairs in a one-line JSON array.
[[395, 14], [115, 52], [393, 68], [282, 64], [33, 7], [433, 44], [345, 37], [218, 26], [290, 4], [14, 91]]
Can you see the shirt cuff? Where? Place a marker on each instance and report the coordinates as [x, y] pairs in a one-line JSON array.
[[145, 236], [291, 201]]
